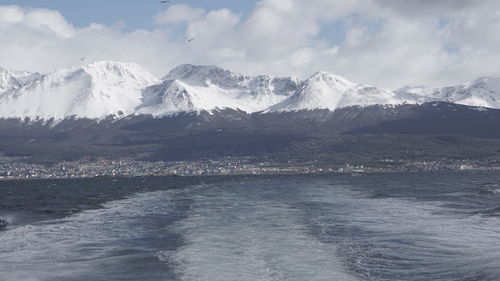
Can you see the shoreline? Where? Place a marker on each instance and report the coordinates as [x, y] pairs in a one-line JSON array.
[[344, 173]]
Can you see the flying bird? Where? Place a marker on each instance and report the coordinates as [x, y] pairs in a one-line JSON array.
[[82, 59], [190, 40], [165, 1]]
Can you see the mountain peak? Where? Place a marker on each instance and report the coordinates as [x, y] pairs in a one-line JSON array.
[[324, 90], [104, 88], [488, 82], [7, 80], [186, 70], [96, 90], [487, 78], [332, 80], [169, 97], [117, 72], [11, 79], [205, 75], [112, 65]]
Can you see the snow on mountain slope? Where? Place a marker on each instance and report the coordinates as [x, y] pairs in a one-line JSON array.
[[174, 96], [327, 91], [207, 75], [93, 91], [483, 92], [10, 80], [197, 88], [110, 88]]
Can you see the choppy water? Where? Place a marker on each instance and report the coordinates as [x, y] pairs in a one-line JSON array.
[[436, 226]]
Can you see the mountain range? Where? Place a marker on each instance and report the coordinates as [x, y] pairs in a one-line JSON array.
[[118, 110], [107, 88]]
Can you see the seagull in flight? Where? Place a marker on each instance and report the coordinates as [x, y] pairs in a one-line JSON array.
[[82, 59], [190, 40], [164, 1]]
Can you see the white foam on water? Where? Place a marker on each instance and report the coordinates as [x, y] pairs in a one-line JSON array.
[[10, 218], [237, 236], [78, 244], [245, 232], [423, 238]]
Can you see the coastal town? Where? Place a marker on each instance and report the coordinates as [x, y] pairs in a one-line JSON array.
[[16, 168]]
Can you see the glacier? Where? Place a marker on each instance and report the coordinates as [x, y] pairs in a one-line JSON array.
[[107, 88]]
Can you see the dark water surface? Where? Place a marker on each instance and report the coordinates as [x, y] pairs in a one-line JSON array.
[[424, 226]]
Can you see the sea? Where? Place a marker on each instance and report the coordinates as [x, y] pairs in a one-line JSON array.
[[401, 226]]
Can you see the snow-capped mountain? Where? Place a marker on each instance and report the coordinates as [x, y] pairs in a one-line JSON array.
[[483, 92], [109, 88], [327, 91], [225, 79], [10, 80], [197, 88], [93, 91]]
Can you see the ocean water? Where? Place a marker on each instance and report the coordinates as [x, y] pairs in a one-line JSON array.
[[415, 226]]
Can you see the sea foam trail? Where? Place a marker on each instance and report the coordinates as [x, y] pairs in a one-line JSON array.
[[404, 238], [93, 245], [234, 233], [294, 228]]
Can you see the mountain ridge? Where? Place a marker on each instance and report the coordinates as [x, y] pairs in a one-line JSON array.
[[11, 79], [93, 91], [109, 88]]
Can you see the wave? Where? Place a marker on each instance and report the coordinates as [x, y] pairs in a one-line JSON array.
[[302, 228], [234, 233], [91, 245], [405, 238]]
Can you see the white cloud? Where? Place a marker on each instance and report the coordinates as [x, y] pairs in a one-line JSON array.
[[435, 8], [214, 26], [37, 19], [178, 13], [302, 57], [11, 15], [387, 42]]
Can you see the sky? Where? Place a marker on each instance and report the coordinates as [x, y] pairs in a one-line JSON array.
[[387, 43], [132, 14]]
